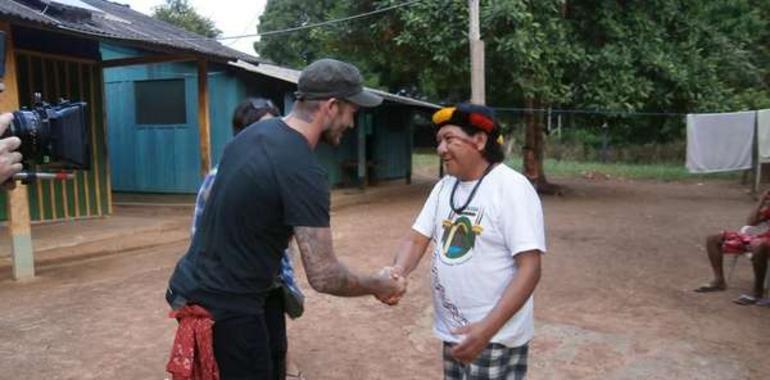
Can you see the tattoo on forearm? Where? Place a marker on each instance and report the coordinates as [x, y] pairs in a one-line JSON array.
[[324, 272]]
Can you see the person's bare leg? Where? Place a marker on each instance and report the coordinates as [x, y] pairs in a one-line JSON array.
[[714, 252], [292, 370], [759, 262]]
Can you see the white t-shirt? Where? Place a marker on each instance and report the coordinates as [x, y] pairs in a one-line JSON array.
[[473, 256]]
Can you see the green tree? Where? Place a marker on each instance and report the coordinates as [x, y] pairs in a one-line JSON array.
[[531, 51], [182, 14], [296, 49], [422, 50], [368, 42], [675, 56]]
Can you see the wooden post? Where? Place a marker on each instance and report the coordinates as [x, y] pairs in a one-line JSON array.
[[204, 126], [757, 157], [18, 204], [477, 55]]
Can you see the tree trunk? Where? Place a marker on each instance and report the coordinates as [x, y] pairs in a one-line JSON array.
[[533, 152]]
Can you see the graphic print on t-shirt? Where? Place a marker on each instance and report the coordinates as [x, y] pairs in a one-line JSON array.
[[459, 235]]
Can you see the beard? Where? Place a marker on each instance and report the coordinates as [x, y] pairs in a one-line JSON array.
[[328, 136], [333, 133]]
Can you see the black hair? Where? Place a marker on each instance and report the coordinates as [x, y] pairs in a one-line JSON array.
[[473, 119], [250, 110], [493, 150]]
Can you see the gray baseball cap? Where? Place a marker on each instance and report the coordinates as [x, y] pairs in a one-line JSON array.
[[329, 78]]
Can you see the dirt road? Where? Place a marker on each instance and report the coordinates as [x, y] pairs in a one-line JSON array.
[[615, 301]]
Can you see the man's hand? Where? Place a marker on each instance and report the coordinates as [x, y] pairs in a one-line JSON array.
[[10, 160], [475, 338], [392, 286]]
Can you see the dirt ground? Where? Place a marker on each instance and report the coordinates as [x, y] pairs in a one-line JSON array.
[[615, 300]]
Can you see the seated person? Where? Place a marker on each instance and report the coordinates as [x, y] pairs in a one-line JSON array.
[[753, 238]]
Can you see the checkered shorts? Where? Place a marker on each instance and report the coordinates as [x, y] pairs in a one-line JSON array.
[[496, 362]]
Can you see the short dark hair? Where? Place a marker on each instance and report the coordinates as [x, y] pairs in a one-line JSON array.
[[473, 119], [250, 110]]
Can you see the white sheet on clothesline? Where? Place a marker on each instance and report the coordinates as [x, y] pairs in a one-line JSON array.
[[763, 135], [720, 142]]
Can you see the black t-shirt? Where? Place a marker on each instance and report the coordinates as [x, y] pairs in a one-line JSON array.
[[268, 181]]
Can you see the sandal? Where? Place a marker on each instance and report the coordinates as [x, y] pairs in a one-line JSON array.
[[295, 376], [764, 302], [745, 299]]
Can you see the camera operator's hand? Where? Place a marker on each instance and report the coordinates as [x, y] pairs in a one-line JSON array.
[[10, 159]]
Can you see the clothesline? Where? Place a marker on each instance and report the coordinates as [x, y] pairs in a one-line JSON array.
[[587, 112]]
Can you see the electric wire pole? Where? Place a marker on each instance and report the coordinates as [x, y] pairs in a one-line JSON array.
[[477, 55]]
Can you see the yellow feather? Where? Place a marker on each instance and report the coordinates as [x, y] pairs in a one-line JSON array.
[[443, 115]]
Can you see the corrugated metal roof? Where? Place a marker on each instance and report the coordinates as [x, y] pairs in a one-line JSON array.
[[292, 76], [75, 4], [119, 22]]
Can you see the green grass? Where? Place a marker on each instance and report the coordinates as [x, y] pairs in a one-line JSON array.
[[564, 168], [422, 160], [660, 172]]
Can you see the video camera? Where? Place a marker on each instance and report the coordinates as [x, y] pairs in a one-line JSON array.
[[53, 136]]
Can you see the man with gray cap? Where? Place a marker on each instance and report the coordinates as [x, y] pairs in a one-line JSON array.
[[270, 187]]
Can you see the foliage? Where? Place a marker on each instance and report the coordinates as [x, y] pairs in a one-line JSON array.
[[651, 56], [668, 56], [182, 14], [665, 57], [295, 49]]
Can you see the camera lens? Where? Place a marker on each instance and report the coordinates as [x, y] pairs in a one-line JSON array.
[[27, 127], [52, 136]]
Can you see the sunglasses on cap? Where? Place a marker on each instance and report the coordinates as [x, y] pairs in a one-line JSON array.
[[262, 103]]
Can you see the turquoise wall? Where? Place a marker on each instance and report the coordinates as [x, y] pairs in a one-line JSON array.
[[166, 158]]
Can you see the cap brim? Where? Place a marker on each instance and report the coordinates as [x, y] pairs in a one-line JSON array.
[[365, 99]]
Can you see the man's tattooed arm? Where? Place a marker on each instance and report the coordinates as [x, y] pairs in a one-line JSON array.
[[327, 275]]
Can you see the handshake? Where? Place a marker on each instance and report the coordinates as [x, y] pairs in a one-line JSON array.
[[390, 285]]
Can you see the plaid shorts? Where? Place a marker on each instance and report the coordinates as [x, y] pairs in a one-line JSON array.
[[496, 362]]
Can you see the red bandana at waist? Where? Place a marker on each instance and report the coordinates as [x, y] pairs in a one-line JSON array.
[[192, 356]]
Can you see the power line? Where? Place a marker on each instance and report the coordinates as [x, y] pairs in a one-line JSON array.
[[324, 23], [251, 22], [294, 29], [588, 112]]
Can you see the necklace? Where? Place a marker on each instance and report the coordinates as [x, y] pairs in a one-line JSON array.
[[458, 211]]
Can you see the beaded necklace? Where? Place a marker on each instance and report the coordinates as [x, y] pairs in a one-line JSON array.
[[470, 197]]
